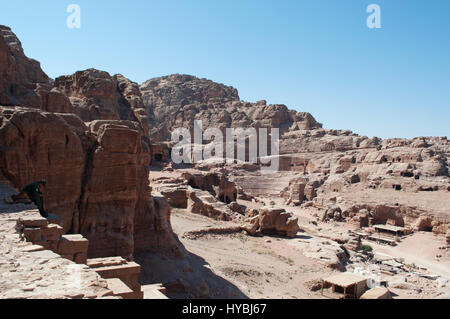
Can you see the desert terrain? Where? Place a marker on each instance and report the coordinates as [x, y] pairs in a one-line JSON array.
[[343, 216]]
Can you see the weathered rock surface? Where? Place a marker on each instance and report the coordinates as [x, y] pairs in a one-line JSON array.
[[95, 95], [37, 145], [277, 220], [97, 172], [20, 77], [177, 100], [97, 178], [215, 183]]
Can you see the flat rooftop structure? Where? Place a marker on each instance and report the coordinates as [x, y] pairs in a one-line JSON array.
[[390, 228], [383, 240], [361, 234], [345, 280], [350, 285]]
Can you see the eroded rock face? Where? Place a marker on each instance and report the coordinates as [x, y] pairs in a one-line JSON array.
[[110, 189], [97, 178], [277, 220], [97, 173], [35, 146], [19, 75], [117, 208], [95, 95], [177, 100], [215, 183]]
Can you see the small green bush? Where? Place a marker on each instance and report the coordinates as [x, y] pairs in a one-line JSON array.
[[367, 248]]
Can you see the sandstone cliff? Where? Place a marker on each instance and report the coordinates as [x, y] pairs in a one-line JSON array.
[[87, 135], [20, 77]]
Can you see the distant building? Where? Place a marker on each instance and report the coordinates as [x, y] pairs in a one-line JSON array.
[[351, 286]]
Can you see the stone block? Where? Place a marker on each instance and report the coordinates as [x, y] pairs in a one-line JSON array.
[[107, 261], [52, 245], [32, 222], [68, 256], [72, 244], [120, 289], [32, 234], [128, 273], [156, 291], [80, 258], [251, 229], [52, 232]]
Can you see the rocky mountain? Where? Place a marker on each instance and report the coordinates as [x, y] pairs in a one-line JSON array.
[[20, 77], [176, 101]]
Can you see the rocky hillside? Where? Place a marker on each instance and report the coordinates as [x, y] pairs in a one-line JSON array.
[[178, 100], [21, 78]]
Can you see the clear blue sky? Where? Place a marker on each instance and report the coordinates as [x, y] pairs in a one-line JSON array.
[[316, 56]]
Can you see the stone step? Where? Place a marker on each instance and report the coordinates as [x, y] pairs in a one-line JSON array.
[[120, 289], [128, 273], [73, 247], [32, 248], [156, 291], [40, 231], [31, 222], [52, 232], [106, 261]]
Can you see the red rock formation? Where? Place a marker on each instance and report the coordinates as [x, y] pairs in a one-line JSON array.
[[20, 76], [35, 146], [177, 100], [97, 178], [215, 183], [98, 173]]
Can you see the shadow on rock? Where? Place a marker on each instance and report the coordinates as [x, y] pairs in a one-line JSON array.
[[5, 208], [188, 278]]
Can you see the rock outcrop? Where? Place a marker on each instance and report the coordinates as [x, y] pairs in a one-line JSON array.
[[95, 95], [272, 220], [97, 178], [215, 183], [36, 145], [20, 77], [97, 172], [177, 100]]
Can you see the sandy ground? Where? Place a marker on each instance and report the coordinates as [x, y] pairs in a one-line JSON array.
[[261, 267], [421, 249], [272, 267]]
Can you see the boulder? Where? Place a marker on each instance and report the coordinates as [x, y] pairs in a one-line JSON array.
[[203, 203], [333, 213], [277, 220]]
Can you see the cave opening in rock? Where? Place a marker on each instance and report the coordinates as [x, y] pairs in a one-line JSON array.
[[407, 174]]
